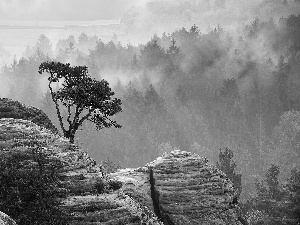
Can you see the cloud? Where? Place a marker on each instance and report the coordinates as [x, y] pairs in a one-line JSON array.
[[18, 8]]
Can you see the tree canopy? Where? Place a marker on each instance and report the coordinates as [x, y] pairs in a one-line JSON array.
[[84, 97]]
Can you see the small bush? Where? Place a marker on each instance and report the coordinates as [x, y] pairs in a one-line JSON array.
[[80, 177], [29, 187], [109, 166], [114, 184], [100, 186]]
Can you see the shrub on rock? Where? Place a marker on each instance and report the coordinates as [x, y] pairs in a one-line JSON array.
[[114, 184], [100, 186], [29, 188]]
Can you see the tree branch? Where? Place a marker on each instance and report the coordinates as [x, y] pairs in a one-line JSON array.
[[75, 123], [57, 109], [84, 118], [69, 116]]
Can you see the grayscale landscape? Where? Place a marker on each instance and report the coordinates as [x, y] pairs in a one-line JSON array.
[[150, 112]]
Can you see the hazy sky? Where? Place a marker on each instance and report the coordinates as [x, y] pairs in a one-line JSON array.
[[64, 9]]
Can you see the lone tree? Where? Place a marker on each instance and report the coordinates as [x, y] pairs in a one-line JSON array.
[[227, 165], [84, 97]]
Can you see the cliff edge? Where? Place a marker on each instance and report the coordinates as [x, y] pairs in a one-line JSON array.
[[80, 175], [177, 188], [16, 110]]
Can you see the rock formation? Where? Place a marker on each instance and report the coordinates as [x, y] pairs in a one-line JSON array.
[[182, 188], [80, 174], [179, 187], [6, 220], [16, 110]]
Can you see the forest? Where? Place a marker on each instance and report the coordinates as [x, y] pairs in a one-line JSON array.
[[195, 91]]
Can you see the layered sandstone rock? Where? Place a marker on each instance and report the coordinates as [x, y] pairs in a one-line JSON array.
[[80, 174], [179, 187], [6, 220], [187, 190], [16, 110]]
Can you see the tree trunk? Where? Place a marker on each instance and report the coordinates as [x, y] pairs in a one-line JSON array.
[[71, 136]]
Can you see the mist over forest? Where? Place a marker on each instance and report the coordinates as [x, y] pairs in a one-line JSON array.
[[192, 75]]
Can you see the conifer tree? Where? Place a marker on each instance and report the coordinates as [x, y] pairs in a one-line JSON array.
[[227, 165]]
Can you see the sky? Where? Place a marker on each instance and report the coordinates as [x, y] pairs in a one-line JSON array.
[[75, 10]]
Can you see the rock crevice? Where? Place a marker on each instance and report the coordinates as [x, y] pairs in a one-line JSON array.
[[155, 201], [154, 195]]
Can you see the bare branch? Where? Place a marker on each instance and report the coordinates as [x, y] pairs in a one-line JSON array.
[[84, 118], [69, 115]]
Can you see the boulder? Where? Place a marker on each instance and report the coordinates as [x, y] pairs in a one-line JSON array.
[[6, 220], [16, 110], [182, 188]]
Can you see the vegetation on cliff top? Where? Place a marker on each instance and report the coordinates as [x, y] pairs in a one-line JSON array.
[[30, 187]]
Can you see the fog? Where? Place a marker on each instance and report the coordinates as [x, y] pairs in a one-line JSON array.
[[195, 75], [76, 10], [155, 16]]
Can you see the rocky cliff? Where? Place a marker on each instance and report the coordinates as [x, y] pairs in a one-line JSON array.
[[80, 175], [182, 188], [178, 188]]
